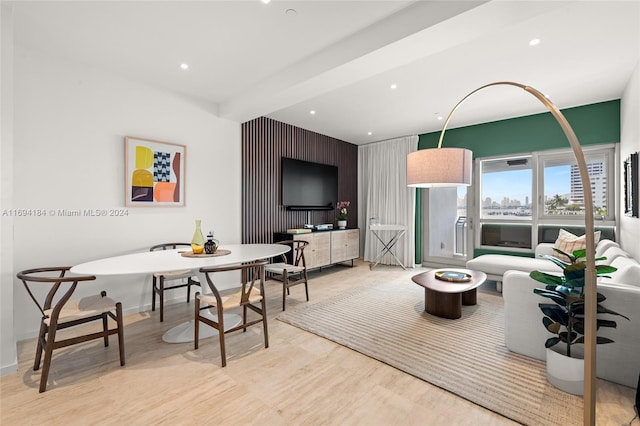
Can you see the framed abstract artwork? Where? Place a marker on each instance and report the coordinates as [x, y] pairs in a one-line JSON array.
[[631, 184], [154, 173]]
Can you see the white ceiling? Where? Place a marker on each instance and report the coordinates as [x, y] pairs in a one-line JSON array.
[[248, 59]]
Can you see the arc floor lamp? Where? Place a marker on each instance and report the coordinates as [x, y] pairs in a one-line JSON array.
[[442, 167]]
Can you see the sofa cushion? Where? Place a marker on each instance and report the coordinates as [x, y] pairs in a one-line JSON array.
[[628, 272], [498, 264], [568, 243], [604, 245], [611, 254]]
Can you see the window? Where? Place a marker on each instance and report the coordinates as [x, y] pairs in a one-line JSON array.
[[506, 187], [563, 191], [509, 186], [506, 194]]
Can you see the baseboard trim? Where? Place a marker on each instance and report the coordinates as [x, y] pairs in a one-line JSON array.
[[9, 369]]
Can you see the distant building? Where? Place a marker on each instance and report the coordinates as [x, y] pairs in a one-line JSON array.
[[598, 177]]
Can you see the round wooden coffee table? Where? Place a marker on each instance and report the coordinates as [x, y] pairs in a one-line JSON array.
[[445, 298]]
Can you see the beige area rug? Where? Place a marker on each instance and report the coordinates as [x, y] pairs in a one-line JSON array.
[[466, 356]]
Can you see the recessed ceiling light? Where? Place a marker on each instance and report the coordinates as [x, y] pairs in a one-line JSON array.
[[439, 117], [534, 42], [394, 86], [369, 133], [312, 112], [265, 1], [291, 12], [184, 66]]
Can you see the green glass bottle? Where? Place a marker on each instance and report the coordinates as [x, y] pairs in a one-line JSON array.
[[197, 242]]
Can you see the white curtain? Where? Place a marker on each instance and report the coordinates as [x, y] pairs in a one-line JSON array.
[[383, 194]]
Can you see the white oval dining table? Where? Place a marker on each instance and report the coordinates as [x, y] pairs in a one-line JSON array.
[[149, 262]]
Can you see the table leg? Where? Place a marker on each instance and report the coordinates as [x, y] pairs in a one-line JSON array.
[[470, 297], [387, 248], [445, 305]]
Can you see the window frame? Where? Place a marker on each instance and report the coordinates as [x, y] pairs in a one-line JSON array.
[[538, 217]]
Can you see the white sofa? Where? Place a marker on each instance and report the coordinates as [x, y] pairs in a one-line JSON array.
[[495, 265], [617, 362]]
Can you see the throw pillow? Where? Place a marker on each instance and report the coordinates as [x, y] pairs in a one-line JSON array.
[[568, 243]]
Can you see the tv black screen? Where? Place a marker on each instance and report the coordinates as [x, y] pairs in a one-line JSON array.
[[308, 186]]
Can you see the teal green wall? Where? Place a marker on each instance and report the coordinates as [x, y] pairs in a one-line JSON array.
[[593, 124]]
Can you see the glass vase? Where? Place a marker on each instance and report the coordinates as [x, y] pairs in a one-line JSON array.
[[197, 242]]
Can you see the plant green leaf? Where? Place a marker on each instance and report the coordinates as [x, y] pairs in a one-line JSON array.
[[580, 253], [564, 336], [578, 326], [605, 269], [546, 278], [575, 282], [555, 312], [559, 262], [603, 310], [606, 323], [559, 298], [551, 341]]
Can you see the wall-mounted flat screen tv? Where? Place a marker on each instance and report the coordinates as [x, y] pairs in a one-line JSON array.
[[308, 186]]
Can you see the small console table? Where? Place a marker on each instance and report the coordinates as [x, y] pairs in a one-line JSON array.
[[398, 231]]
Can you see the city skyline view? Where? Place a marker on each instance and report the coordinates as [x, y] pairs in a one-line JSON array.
[[516, 184]]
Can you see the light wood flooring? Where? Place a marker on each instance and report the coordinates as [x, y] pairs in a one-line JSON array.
[[301, 379]]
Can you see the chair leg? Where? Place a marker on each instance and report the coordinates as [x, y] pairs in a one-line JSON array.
[[120, 322], [40, 347], [306, 284], [48, 351], [196, 324], [105, 323], [264, 322], [223, 352], [153, 293], [285, 288], [189, 289], [244, 318], [161, 299], [105, 329]]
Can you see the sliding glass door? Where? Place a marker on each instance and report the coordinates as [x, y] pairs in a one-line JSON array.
[[447, 229]]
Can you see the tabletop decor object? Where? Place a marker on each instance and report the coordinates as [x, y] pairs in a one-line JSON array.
[[211, 245], [197, 242], [453, 276], [446, 167], [218, 252], [343, 216], [154, 173]]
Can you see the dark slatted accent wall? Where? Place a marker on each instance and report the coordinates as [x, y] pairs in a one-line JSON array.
[[264, 143]]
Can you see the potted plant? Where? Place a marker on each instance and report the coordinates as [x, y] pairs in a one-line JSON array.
[[342, 213], [565, 317]]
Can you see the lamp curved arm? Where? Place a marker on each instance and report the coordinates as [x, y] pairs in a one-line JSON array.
[[590, 290]]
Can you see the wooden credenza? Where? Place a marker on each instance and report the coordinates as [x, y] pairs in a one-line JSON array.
[[326, 247]]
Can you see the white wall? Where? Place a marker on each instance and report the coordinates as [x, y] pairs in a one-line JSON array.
[[8, 362], [630, 142], [70, 123]]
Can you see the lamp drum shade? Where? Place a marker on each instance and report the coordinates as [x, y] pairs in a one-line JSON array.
[[439, 167]]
